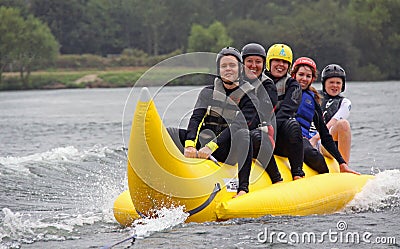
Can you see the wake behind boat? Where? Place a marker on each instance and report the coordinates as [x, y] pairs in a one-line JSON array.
[[160, 176]]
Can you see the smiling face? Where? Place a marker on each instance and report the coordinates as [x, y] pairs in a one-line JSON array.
[[254, 66], [333, 86], [229, 68], [279, 68], [304, 76]]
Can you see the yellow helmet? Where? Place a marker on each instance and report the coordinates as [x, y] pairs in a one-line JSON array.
[[279, 51]]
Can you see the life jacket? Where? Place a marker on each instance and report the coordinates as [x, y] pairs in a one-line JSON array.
[[306, 111], [330, 105], [281, 87], [257, 83], [266, 105], [223, 109]]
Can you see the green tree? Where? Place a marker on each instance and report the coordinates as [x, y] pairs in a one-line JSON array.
[[153, 16], [378, 37], [37, 45], [244, 31], [66, 19], [320, 30], [10, 26], [99, 33], [16, 4], [24, 43], [210, 39]]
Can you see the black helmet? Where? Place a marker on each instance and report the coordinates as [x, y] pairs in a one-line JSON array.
[[253, 49], [333, 70], [230, 51]]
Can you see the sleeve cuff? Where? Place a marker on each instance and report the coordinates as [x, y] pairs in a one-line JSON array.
[[212, 145], [189, 143]]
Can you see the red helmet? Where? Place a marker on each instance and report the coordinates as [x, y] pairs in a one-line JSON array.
[[305, 61]]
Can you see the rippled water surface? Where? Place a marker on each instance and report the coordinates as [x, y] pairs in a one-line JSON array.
[[63, 162]]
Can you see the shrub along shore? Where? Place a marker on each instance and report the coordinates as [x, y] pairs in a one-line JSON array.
[[107, 78], [121, 77], [83, 71]]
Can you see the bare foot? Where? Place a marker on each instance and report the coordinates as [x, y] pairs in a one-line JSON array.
[[297, 177], [241, 192], [278, 182], [345, 169]]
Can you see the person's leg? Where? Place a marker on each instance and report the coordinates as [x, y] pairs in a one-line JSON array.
[[313, 158], [241, 140], [178, 136], [341, 132], [263, 152], [289, 143], [273, 171]]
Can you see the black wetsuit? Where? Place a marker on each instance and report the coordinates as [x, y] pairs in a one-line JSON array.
[[289, 140], [214, 119], [262, 146]]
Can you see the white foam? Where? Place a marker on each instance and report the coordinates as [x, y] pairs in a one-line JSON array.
[[20, 228], [381, 192], [65, 154], [62, 153], [166, 218]]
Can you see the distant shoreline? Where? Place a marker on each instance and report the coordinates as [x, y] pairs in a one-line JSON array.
[[107, 78], [69, 79]]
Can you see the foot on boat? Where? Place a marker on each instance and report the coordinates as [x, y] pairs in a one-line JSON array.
[[297, 177], [345, 169], [240, 193]]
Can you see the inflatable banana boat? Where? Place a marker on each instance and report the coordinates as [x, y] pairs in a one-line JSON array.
[[160, 176]]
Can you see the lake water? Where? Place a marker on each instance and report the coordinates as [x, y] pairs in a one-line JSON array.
[[63, 163]]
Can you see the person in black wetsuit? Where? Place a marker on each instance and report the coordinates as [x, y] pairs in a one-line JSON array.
[[254, 56], [309, 114], [289, 141], [223, 114]]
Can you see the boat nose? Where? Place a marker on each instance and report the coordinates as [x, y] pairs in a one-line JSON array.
[[144, 95]]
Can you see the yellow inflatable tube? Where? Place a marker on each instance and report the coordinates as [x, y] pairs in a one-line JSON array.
[[160, 176]]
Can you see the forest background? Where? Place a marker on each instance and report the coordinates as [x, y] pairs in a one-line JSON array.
[[110, 43]]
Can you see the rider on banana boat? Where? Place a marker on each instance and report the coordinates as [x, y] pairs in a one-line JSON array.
[[222, 117], [309, 115], [254, 56]]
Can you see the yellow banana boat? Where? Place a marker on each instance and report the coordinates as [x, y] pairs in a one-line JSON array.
[[160, 176]]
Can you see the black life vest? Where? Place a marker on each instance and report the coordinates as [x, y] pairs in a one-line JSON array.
[[306, 112], [223, 109], [330, 105]]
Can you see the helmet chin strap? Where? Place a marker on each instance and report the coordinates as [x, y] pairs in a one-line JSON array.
[[229, 82]]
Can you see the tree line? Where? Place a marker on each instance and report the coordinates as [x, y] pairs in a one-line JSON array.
[[361, 35]]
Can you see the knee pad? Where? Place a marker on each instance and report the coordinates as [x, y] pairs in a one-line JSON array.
[[292, 130], [256, 135]]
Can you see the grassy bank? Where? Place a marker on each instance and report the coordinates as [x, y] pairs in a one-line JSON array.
[[114, 77], [59, 79]]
